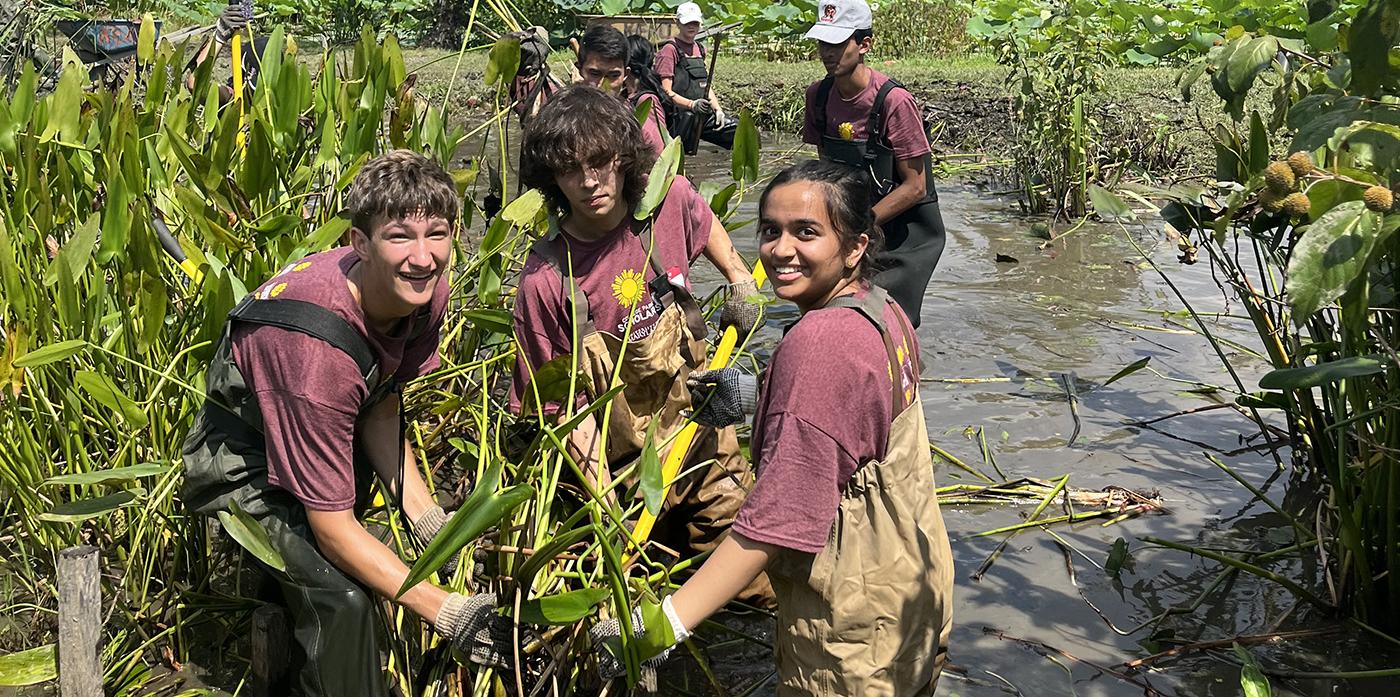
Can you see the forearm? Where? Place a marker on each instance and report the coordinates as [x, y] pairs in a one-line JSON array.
[[391, 456], [896, 202], [721, 252], [731, 568], [357, 553], [667, 87]]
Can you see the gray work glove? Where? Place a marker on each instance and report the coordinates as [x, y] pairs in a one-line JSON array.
[[232, 20], [702, 106], [737, 311], [474, 628], [427, 527], [607, 641], [722, 397]]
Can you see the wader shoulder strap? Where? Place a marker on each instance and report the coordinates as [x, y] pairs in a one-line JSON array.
[[875, 130], [872, 308], [823, 96], [312, 320]]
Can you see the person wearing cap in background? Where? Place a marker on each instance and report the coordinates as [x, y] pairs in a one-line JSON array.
[[685, 83], [861, 117], [233, 20], [603, 62]]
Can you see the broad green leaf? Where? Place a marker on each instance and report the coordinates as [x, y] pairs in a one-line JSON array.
[[472, 519], [65, 102], [1252, 679], [564, 608], [1129, 370], [1248, 60], [15, 294], [503, 61], [116, 474], [659, 182], [642, 111], [78, 511], [649, 472], [322, 238], [248, 532], [1373, 34], [552, 381], [489, 319], [1258, 143], [116, 221], [659, 634], [1107, 203], [1332, 251], [743, 161], [77, 251], [105, 391], [29, 667], [1117, 556], [1262, 400], [719, 195], [1322, 373], [51, 353], [146, 39], [525, 209]]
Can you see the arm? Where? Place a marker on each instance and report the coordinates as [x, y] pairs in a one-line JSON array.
[[583, 443], [393, 460], [667, 85], [911, 174], [720, 251], [352, 549], [735, 564]]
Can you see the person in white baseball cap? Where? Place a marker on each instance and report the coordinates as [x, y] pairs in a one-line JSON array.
[[863, 118], [685, 84]]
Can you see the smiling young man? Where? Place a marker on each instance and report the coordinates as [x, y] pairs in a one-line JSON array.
[[860, 117], [602, 63], [614, 293], [303, 412], [685, 82]]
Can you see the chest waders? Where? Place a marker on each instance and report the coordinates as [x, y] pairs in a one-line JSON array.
[[702, 504], [914, 239], [692, 81], [225, 459], [870, 614]]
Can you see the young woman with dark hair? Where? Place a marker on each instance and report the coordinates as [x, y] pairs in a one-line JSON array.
[[622, 287], [843, 516]]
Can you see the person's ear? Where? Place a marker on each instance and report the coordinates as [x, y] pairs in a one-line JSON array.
[[359, 241], [857, 251], [865, 44]]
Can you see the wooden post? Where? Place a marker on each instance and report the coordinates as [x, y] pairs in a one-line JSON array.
[[79, 623], [270, 647]]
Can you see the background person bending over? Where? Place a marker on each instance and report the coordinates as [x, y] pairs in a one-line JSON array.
[[685, 82], [860, 117], [844, 515]]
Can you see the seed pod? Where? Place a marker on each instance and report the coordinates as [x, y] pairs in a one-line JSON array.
[[1379, 199], [1279, 178], [1270, 201], [1296, 205], [1301, 163]]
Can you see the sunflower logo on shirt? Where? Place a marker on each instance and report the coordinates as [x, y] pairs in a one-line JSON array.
[[847, 130], [628, 287]]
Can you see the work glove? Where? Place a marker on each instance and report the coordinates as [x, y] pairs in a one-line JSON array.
[[607, 638], [474, 628], [702, 106], [722, 397], [427, 527], [232, 20], [737, 311]]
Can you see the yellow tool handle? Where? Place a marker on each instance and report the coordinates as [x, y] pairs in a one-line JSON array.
[[236, 49], [681, 446]]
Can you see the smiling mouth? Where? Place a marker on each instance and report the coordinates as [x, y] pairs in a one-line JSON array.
[[417, 277]]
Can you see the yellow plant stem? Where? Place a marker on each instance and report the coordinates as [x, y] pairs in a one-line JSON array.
[[681, 446], [236, 57]]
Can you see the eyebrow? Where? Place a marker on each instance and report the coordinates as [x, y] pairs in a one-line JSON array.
[[800, 221]]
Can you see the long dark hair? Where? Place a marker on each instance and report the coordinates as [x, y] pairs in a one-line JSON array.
[[848, 205], [640, 57], [581, 125]]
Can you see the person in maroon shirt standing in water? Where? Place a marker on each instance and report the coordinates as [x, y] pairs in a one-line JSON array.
[[303, 411], [685, 81], [861, 117], [603, 63], [620, 288], [844, 516]]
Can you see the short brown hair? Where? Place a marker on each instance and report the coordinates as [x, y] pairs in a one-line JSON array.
[[582, 125], [400, 184]]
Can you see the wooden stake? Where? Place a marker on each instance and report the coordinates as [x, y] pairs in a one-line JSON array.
[[270, 647], [79, 623]]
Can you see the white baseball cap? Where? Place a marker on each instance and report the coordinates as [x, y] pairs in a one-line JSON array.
[[688, 12], [838, 19]]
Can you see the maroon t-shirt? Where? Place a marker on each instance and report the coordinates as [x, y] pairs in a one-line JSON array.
[[309, 391], [823, 411], [613, 273], [904, 127], [671, 52], [655, 124]]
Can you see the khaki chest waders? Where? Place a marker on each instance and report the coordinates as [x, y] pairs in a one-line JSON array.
[[914, 239], [715, 478], [225, 458], [870, 614]]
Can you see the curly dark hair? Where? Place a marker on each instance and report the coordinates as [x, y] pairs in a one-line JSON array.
[[582, 125], [848, 205]]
